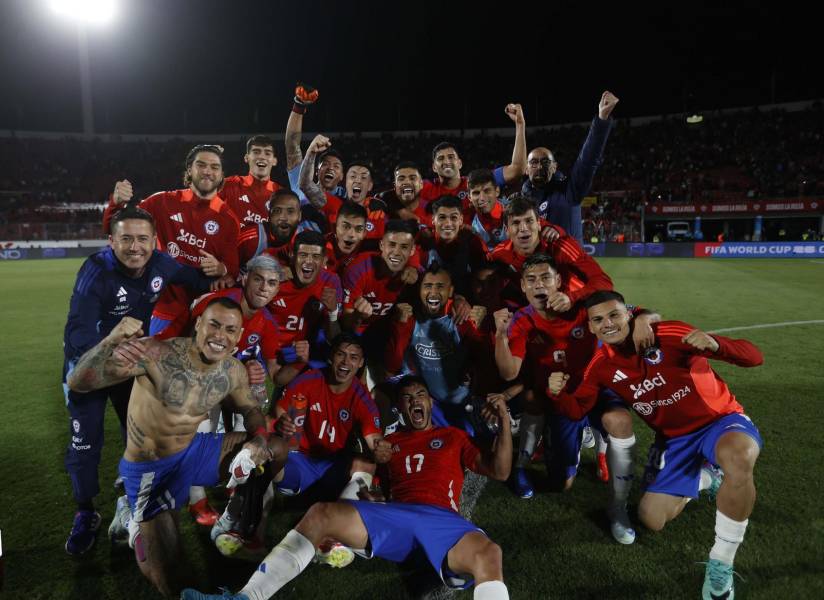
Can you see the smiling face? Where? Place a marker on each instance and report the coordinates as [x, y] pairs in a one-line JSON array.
[[416, 406], [260, 159], [524, 231], [408, 185], [483, 197], [609, 322], [284, 216], [206, 174], [349, 232], [259, 287], [436, 289], [132, 241], [217, 332], [330, 172], [396, 248], [538, 282], [308, 262], [347, 360], [358, 184], [447, 223], [447, 163]]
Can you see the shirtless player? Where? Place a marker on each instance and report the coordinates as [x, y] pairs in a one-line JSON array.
[[177, 382]]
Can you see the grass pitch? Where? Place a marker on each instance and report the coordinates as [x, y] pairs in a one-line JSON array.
[[554, 545]]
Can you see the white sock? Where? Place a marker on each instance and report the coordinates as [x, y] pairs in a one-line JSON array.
[[531, 428], [285, 562], [619, 458], [600, 441], [196, 494], [728, 536], [705, 482], [490, 590], [359, 479]]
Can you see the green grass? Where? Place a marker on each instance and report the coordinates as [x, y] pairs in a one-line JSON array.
[[554, 544]]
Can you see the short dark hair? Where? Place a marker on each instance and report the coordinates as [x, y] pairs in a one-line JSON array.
[[352, 209], [443, 146], [400, 226], [259, 140], [346, 337], [331, 152], [518, 205], [602, 296], [480, 177], [131, 212], [538, 258], [436, 268], [406, 381], [309, 238], [446, 201], [406, 164], [225, 302], [360, 163], [282, 193], [190, 158]]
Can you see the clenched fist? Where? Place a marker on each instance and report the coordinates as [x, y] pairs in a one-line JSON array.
[[122, 192]]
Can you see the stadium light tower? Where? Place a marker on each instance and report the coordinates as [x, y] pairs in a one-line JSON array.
[[84, 13]]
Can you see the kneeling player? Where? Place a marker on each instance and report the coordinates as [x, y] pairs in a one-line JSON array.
[[425, 471], [694, 414]]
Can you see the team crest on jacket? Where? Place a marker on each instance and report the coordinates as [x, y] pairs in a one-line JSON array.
[[577, 333], [211, 227], [377, 422], [436, 444], [653, 355], [253, 339], [343, 415], [156, 283]]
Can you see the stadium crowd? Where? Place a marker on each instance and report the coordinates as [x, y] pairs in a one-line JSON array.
[[405, 335], [728, 156]]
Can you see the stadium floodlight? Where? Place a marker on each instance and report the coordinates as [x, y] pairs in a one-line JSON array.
[[98, 12], [694, 119]]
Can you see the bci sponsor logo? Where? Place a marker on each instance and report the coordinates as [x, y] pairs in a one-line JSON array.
[[647, 385], [190, 238]]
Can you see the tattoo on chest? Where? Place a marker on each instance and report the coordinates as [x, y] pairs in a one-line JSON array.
[[182, 383]]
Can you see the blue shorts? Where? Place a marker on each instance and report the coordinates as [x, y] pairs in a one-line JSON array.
[[566, 435], [301, 471], [396, 529], [674, 464], [155, 486]]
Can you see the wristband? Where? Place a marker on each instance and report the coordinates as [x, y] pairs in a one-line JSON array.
[[298, 107], [261, 431]]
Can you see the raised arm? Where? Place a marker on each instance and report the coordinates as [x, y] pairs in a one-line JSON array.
[[592, 152], [306, 182], [508, 365], [118, 356], [497, 462], [517, 168], [741, 353], [305, 95]]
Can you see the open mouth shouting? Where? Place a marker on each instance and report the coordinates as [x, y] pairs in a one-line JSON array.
[[417, 415], [407, 193]]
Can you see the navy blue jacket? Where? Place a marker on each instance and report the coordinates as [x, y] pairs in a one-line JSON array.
[[104, 294], [560, 201]]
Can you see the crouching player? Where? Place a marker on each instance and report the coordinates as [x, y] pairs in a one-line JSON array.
[[425, 467], [698, 422]]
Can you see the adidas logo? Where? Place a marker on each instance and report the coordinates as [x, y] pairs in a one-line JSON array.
[[315, 407], [122, 292], [244, 198], [369, 295], [177, 217], [619, 376], [280, 302]]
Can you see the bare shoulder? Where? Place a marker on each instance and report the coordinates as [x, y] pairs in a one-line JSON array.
[[236, 371]]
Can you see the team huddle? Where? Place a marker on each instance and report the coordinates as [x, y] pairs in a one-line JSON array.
[[405, 335]]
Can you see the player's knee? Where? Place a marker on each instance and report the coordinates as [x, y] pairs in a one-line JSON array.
[[618, 423], [652, 519], [738, 460], [318, 514], [489, 558]]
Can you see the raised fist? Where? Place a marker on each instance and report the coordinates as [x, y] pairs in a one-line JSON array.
[[477, 315], [557, 381], [320, 144], [363, 307], [403, 311], [608, 102], [122, 192], [305, 94], [129, 328], [329, 298], [701, 340], [516, 113], [502, 319]]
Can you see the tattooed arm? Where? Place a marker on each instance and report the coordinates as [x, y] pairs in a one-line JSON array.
[[118, 356], [312, 190]]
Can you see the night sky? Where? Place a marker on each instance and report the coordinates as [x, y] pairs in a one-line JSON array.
[[180, 66]]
